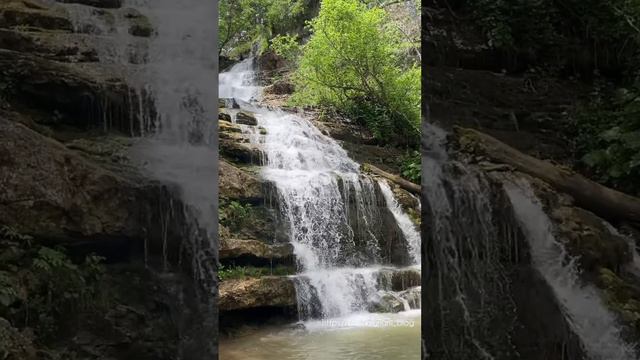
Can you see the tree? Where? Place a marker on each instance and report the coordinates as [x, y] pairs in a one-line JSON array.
[[246, 23], [352, 63]]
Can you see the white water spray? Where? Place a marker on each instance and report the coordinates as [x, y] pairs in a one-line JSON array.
[[406, 225], [329, 207], [584, 310]]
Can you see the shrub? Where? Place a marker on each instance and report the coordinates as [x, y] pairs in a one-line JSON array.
[[609, 139], [352, 63], [234, 214], [41, 288]]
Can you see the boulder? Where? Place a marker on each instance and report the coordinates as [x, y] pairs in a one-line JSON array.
[[587, 236], [387, 303], [140, 26], [246, 118], [255, 293], [244, 153], [223, 116], [236, 184], [232, 248]]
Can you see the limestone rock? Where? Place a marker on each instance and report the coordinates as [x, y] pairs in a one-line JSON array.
[[232, 248], [33, 14], [69, 196], [139, 24], [244, 153], [79, 93], [237, 184], [246, 118], [400, 279], [223, 116], [228, 103], [254, 293], [107, 4]]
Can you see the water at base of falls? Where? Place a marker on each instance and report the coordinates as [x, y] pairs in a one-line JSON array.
[[356, 337], [332, 210]]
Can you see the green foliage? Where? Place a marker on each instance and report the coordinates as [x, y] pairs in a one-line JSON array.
[[411, 167], [352, 63], [609, 27], [41, 288], [234, 214], [286, 46], [244, 24], [609, 138], [243, 272]]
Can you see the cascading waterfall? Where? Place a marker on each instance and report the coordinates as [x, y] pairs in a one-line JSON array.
[[170, 72], [406, 225], [475, 231], [586, 313], [331, 209]]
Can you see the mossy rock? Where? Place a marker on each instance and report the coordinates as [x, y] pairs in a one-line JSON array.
[[621, 296], [33, 14], [587, 236], [139, 25]]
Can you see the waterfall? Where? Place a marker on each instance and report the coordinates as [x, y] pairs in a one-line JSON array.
[[585, 311], [488, 244], [331, 209], [406, 225]]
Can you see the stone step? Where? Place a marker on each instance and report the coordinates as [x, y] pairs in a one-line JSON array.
[[237, 249]]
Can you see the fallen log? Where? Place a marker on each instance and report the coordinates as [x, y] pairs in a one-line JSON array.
[[601, 200], [405, 184]]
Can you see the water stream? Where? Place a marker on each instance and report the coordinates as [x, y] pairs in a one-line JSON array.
[[586, 313], [333, 215]]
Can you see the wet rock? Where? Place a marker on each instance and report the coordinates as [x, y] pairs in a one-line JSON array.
[[232, 248], [107, 4], [236, 184], [80, 94], [70, 196], [34, 14], [622, 295], [244, 153], [139, 24], [224, 116], [228, 103], [246, 118], [399, 279], [255, 293], [587, 236], [280, 87], [388, 303], [413, 296]]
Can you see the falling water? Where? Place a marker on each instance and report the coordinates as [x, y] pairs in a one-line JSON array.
[[330, 207], [406, 225], [587, 315]]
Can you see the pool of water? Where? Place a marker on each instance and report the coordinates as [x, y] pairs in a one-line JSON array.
[[357, 337]]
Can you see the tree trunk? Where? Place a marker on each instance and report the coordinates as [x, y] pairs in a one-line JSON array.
[[604, 201], [405, 184]]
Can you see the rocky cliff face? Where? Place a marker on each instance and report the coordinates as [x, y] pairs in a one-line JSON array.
[[469, 84], [66, 126]]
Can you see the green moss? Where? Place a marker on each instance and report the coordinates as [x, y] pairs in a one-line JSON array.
[[243, 272], [622, 297]]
